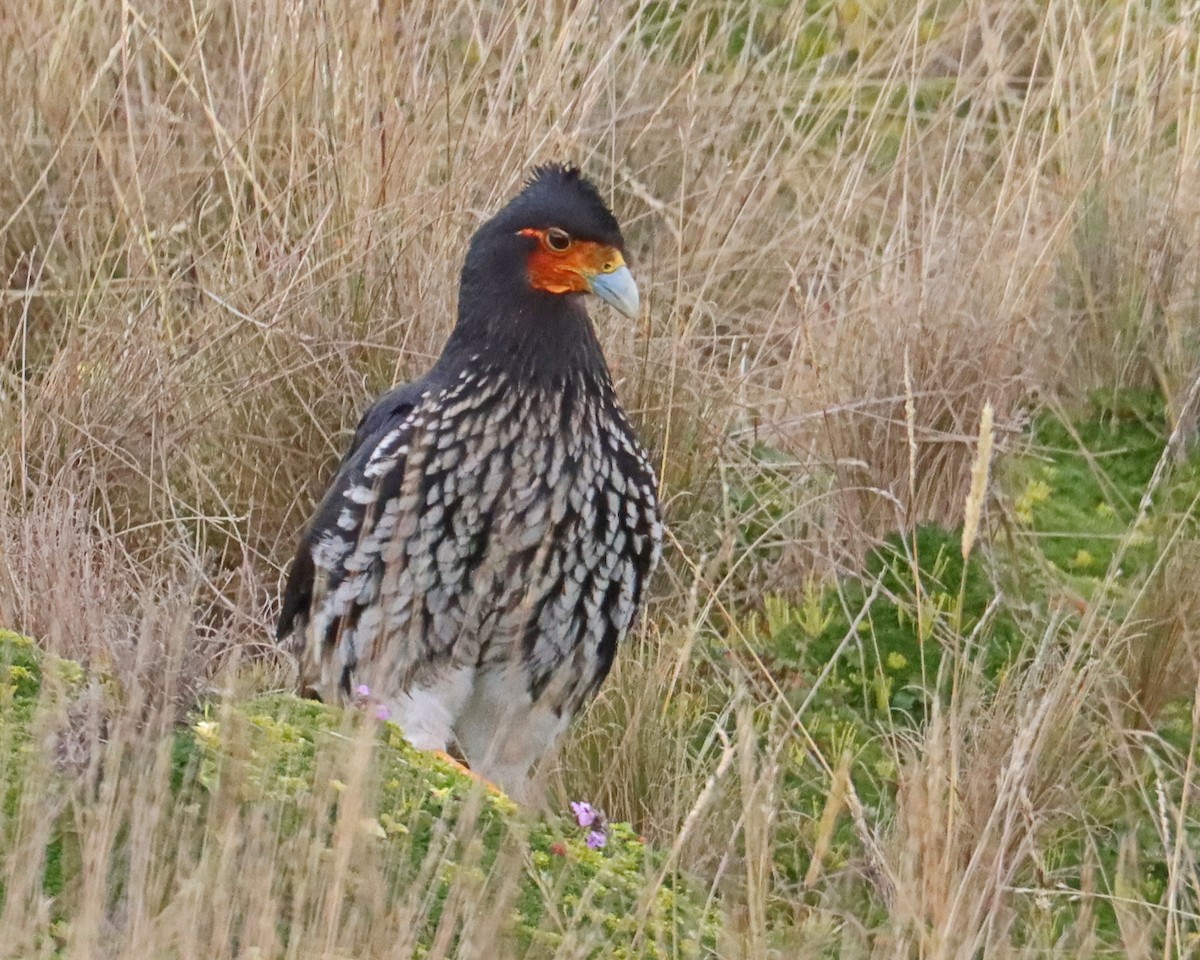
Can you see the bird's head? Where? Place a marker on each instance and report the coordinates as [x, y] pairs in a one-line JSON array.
[[557, 239]]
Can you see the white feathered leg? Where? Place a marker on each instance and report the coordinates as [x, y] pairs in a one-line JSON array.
[[502, 732], [426, 713]]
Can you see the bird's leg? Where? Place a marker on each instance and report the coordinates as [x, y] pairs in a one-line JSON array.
[[466, 771]]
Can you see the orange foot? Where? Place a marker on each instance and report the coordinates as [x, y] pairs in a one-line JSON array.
[[467, 771]]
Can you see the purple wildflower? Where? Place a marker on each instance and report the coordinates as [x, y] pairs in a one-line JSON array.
[[585, 816], [382, 712], [596, 839], [362, 690]]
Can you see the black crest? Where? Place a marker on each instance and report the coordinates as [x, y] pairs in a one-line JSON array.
[[558, 195], [562, 172]]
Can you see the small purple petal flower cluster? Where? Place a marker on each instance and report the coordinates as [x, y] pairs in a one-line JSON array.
[[588, 816], [362, 699], [585, 815]]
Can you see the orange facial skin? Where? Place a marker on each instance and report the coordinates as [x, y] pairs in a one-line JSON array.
[[570, 270]]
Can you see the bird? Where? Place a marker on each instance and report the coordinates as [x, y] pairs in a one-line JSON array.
[[485, 543]]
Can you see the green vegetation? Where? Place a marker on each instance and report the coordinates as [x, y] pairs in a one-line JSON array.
[[277, 763], [840, 730], [868, 660]]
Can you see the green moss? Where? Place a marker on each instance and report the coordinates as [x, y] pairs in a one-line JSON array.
[[878, 644], [290, 764], [279, 749], [917, 597], [20, 683], [21, 673], [1080, 491], [1077, 495], [1077, 498]]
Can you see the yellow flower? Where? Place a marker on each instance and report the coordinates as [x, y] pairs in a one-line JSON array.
[[207, 731], [1036, 491]]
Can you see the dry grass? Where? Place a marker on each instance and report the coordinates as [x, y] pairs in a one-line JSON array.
[[225, 225]]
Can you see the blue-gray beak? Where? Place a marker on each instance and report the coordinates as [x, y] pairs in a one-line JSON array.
[[618, 290]]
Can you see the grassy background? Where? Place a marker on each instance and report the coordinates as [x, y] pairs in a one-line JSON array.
[[225, 225]]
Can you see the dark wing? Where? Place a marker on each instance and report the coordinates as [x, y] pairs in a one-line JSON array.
[[384, 415]]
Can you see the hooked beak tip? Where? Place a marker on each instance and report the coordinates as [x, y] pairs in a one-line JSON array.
[[618, 290]]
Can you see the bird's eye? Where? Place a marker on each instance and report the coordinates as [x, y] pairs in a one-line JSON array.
[[558, 240]]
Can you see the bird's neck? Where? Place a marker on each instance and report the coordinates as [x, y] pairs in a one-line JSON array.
[[534, 338]]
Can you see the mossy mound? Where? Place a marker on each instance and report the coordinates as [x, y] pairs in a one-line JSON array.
[[20, 683], [1080, 492], [393, 828]]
